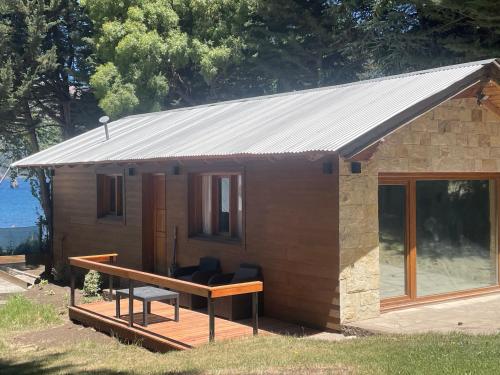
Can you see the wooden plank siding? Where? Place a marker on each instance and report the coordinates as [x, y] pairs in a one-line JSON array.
[[78, 231], [290, 228]]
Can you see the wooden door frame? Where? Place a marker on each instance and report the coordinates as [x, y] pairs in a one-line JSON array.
[[163, 176], [147, 223], [410, 180]]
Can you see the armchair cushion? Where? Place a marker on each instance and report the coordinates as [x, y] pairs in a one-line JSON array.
[[221, 279], [185, 271], [247, 272], [209, 264], [202, 277]]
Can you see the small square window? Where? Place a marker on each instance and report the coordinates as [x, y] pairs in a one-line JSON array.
[[216, 205], [109, 195]]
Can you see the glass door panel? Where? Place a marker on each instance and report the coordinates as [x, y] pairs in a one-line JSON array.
[[456, 235], [392, 240]]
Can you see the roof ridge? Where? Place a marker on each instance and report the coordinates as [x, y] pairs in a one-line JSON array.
[[324, 88]]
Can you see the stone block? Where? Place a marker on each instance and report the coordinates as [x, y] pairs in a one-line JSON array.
[[411, 138], [449, 126], [489, 165], [493, 127], [473, 140], [461, 139], [371, 297], [464, 114], [495, 152], [447, 165], [402, 151], [477, 115], [484, 140], [491, 116], [443, 139], [495, 141], [419, 165], [421, 152], [425, 139]]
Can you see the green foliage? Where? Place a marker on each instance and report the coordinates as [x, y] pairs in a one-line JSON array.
[[43, 283], [28, 246], [92, 284], [20, 313], [45, 62], [172, 53], [403, 36], [153, 53]]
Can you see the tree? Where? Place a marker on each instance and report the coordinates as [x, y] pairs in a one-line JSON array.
[[155, 53], [301, 44], [404, 36], [44, 67]]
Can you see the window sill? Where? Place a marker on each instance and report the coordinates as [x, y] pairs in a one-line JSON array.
[[219, 239], [111, 219]]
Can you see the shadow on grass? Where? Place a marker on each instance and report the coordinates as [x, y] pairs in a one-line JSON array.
[[47, 364]]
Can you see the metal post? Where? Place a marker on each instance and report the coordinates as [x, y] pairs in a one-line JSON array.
[[130, 303], [211, 318], [72, 285], [255, 313], [111, 261]]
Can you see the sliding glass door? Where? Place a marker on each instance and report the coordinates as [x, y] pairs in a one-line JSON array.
[[392, 240], [456, 244], [437, 236]]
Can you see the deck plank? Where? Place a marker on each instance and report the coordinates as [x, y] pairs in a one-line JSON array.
[[163, 333]]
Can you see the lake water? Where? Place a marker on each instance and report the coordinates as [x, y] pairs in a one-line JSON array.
[[18, 207]]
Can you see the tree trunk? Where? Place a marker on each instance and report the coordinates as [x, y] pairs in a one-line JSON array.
[[68, 129], [45, 195]]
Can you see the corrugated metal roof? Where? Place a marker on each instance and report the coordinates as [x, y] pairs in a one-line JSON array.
[[318, 120]]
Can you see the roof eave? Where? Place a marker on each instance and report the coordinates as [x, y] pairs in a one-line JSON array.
[[488, 71], [309, 155]]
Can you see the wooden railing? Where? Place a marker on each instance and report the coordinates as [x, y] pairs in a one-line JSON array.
[[105, 263]]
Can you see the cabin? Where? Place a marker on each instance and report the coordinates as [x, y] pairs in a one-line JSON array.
[[353, 199]]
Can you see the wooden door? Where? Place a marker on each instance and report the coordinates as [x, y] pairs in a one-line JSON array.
[[160, 225]]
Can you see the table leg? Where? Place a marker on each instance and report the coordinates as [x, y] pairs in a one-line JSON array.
[[149, 307], [145, 312], [177, 308], [130, 303], [118, 298]]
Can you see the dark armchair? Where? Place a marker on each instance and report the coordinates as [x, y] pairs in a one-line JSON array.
[[199, 274], [240, 306]]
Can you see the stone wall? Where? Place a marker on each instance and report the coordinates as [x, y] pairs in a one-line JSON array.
[[457, 136]]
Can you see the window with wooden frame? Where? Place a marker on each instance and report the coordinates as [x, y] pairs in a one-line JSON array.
[[216, 205], [110, 196]]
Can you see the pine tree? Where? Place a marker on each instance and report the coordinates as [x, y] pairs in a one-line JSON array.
[[44, 67], [401, 36]]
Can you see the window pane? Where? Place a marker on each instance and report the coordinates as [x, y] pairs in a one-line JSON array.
[[240, 208], [206, 204], [456, 246], [224, 205], [392, 240], [119, 196], [112, 194]]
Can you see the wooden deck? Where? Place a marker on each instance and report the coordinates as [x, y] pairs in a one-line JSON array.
[[12, 259], [162, 333]]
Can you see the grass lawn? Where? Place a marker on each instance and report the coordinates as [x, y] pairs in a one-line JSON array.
[[417, 354]]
